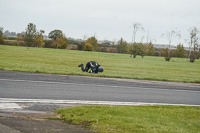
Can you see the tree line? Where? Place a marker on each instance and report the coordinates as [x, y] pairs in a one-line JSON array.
[[35, 38], [32, 37], [140, 49]]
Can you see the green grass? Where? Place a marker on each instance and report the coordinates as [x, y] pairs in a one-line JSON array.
[[43, 60], [134, 119]]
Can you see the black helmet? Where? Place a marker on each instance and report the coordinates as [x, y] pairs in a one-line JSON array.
[[100, 69]]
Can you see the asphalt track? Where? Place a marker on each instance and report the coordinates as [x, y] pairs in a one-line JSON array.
[[38, 87]]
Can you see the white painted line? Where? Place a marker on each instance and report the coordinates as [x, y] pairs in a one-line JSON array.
[[51, 101], [130, 87], [9, 106]]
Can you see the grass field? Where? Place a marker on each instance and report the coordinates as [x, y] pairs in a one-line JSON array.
[[134, 119], [114, 119], [43, 60]]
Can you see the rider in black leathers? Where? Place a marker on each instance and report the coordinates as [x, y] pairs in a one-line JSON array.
[[93, 66]]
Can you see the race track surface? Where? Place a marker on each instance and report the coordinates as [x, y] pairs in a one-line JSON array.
[[22, 85]]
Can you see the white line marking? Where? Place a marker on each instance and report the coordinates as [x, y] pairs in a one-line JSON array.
[[51, 101], [9, 106], [31, 81]]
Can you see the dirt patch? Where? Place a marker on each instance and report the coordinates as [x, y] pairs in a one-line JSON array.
[[37, 121]]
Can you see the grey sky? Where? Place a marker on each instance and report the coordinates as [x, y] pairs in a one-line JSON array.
[[107, 19]]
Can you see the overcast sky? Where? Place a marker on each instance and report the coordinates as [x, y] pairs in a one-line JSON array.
[[106, 19]]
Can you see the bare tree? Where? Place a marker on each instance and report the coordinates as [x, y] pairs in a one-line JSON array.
[[171, 35], [194, 43], [136, 27], [152, 39], [142, 38], [147, 37], [194, 38]]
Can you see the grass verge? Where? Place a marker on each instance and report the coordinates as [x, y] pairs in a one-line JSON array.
[[134, 119], [44, 60]]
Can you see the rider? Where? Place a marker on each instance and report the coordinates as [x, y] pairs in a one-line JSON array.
[[93, 66]]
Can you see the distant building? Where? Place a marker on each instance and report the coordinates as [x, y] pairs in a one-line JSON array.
[[9, 34], [160, 46]]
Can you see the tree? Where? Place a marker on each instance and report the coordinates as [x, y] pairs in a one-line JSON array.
[[180, 51], [59, 39], [30, 34], [194, 43], [60, 42], [137, 49], [165, 52], [171, 35], [80, 45], [1, 36], [122, 46], [90, 44], [88, 47], [54, 34], [136, 27], [39, 42], [149, 49], [19, 38]]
